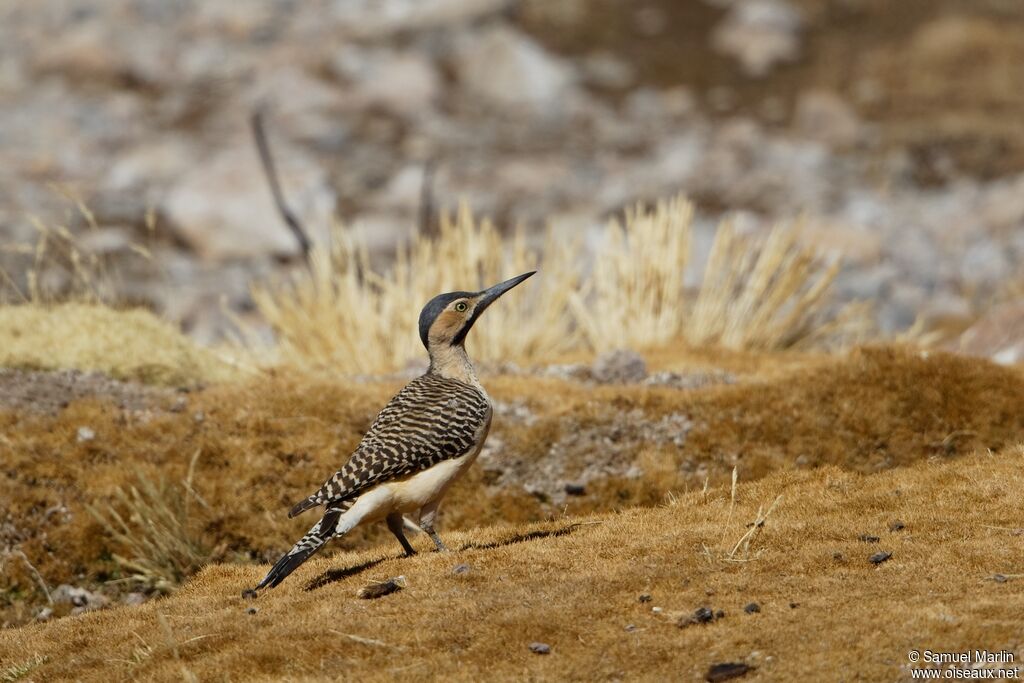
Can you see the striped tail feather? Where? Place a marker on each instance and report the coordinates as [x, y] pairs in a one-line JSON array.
[[306, 504], [308, 545]]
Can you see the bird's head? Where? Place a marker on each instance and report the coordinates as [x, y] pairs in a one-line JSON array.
[[447, 318]]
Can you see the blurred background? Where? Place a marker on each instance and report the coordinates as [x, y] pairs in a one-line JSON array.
[[894, 129]]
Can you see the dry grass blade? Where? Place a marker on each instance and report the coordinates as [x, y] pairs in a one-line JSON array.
[[16, 672], [741, 551]]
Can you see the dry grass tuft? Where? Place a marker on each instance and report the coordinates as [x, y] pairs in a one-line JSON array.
[[18, 671], [63, 268], [757, 294], [127, 345], [156, 529], [343, 314]]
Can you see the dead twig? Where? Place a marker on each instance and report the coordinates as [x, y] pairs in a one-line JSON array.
[[426, 217], [290, 219]]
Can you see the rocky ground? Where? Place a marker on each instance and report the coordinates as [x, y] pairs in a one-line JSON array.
[[896, 133]]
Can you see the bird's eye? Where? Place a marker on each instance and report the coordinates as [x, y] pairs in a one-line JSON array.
[[461, 306]]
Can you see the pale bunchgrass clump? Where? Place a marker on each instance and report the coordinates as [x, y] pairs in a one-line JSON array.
[[767, 292], [343, 314], [153, 523]]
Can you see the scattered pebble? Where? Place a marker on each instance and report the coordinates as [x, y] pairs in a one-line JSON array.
[[249, 594], [646, 597], [630, 628], [999, 578], [794, 605], [460, 569], [703, 615], [838, 557], [868, 539], [251, 611], [85, 434], [540, 648], [656, 610], [879, 557], [382, 588], [752, 608], [576, 489], [726, 671], [720, 614], [897, 525]]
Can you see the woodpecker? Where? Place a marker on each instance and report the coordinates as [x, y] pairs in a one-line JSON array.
[[421, 442]]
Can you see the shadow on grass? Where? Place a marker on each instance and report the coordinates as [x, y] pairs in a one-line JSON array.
[[332, 575], [523, 538]]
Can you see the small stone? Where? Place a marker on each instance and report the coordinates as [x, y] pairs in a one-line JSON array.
[[656, 610], [794, 605], [868, 539], [720, 614], [460, 569], [897, 525], [249, 594], [645, 597], [726, 671], [630, 628], [1000, 578], [575, 489], [752, 608], [702, 615], [199, 416], [44, 614], [180, 403], [540, 648], [85, 434], [251, 611], [838, 557], [379, 589], [879, 557]]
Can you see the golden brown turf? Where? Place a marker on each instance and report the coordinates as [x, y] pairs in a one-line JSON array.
[[263, 445], [826, 613]]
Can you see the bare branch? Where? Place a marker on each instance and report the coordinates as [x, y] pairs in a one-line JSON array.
[[290, 219], [426, 217]]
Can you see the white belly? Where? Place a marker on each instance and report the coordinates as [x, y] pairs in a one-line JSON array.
[[410, 493]]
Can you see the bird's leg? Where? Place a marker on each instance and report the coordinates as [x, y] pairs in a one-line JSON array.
[[396, 524], [427, 515]]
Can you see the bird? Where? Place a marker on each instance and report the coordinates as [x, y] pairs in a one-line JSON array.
[[424, 439]]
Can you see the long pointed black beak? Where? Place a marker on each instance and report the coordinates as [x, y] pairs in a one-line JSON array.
[[489, 296]]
